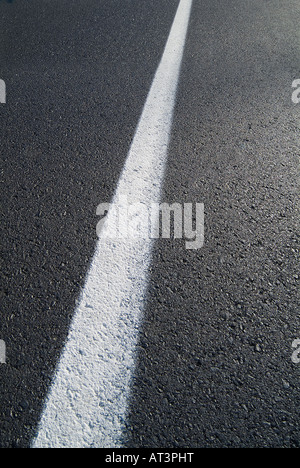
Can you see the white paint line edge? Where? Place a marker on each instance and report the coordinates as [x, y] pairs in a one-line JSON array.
[[88, 401]]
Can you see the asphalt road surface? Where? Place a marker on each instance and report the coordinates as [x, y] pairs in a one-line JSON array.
[[213, 357]]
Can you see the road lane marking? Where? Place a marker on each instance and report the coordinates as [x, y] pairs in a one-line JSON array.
[[88, 400]]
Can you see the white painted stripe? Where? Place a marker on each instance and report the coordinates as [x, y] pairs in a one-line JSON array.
[[87, 404]]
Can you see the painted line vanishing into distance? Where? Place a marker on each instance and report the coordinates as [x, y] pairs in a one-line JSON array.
[[87, 404]]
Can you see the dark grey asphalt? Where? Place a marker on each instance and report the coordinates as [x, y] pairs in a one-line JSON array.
[[214, 357]]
